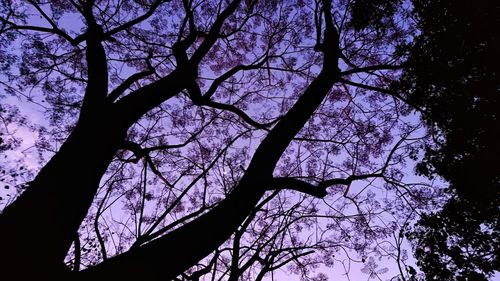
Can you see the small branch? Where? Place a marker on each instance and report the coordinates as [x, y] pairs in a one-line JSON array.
[[135, 21], [139, 153], [384, 91], [156, 171], [59, 32], [195, 276], [372, 68], [116, 93], [348, 180], [210, 92], [148, 235], [240, 113], [293, 257], [213, 34], [195, 95], [55, 29], [108, 35]]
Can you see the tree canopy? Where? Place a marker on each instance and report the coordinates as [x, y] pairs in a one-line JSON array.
[[455, 80], [227, 140]]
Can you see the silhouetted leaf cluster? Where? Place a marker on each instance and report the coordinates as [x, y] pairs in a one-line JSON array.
[[374, 13], [454, 79]]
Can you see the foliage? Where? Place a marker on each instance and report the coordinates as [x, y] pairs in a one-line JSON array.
[[454, 79], [374, 14], [460, 242]]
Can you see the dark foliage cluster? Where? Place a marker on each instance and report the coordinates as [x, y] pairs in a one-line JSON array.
[[454, 78]]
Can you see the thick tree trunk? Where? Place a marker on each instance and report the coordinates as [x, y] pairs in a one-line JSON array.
[[39, 227], [170, 255], [167, 257], [37, 230]]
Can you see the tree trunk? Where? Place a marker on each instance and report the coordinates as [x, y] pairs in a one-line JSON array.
[[39, 227], [167, 257], [170, 255]]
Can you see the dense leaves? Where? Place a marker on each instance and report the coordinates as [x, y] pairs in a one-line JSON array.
[[374, 13], [455, 79], [460, 242]]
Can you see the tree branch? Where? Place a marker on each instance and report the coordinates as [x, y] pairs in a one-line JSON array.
[[97, 64], [55, 28], [195, 94], [348, 180], [186, 245], [59, 32], [135, 21], [137, 103], [372, 68], [116, 93], [297, 185], [213, 34], [384, 91], [218, 81]]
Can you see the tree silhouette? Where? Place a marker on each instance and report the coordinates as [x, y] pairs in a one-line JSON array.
[[454, 79], [229, 138]]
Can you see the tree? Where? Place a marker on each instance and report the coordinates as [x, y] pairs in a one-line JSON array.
[[454, 80], [225, 105]]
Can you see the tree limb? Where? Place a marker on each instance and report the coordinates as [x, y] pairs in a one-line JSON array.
[[116, 93], [297, 185]]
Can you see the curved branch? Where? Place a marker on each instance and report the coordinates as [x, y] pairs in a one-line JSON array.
[[137, 20], [116, 93], [195, 94], [55, 29], [218, 81], [213, 34], [297, 185], [372, 68], [383, 91], [186, 245]]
